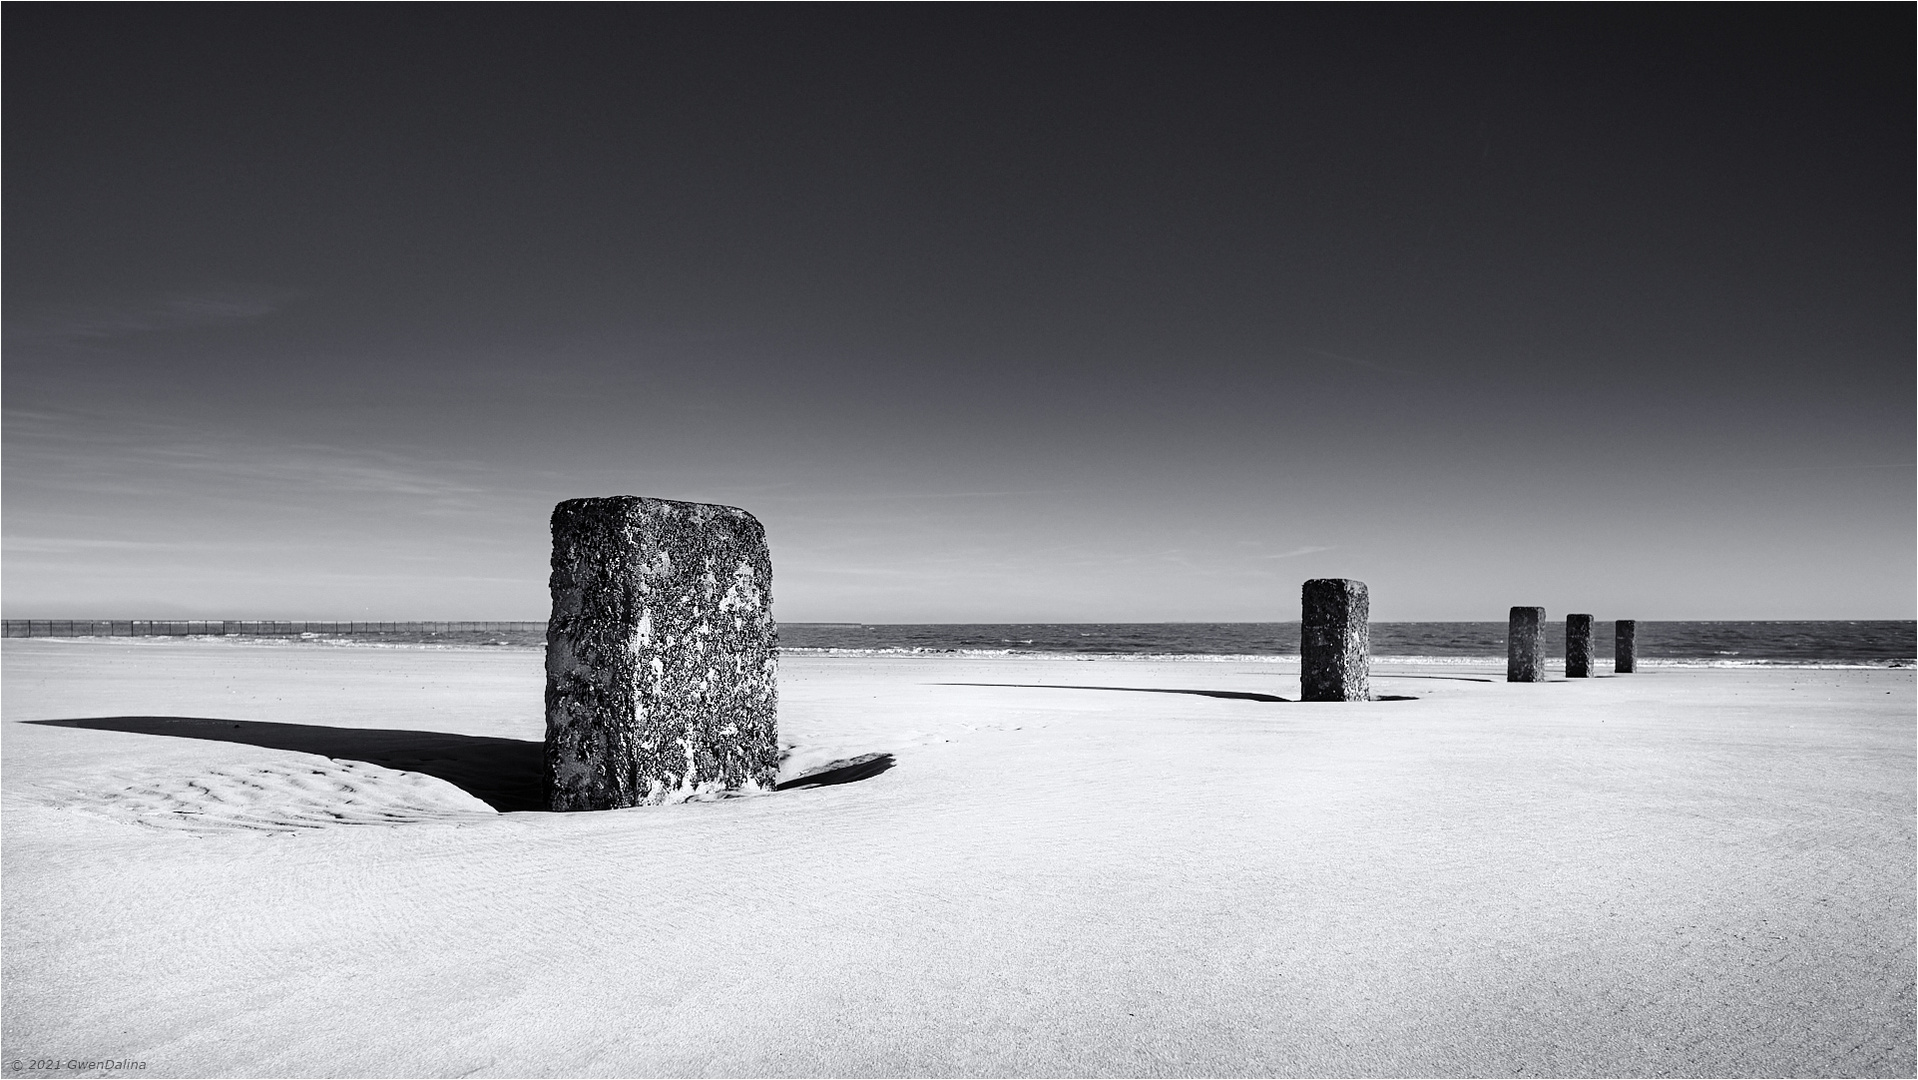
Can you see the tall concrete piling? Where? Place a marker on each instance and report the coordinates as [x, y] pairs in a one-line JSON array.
[[661, 653], [1578, 646], [1625, 646], [1525, 645], [1335, 641]]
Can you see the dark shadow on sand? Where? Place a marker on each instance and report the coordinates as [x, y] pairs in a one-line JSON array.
[[844, 771], [1235, 695], [1231, 695], [506, 774]]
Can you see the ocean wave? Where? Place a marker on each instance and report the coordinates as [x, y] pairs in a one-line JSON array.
[[252, 641], [1886, 662], [1878, 653]]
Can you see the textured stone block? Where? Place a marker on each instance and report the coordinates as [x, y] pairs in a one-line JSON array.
[[661, 654], [1578, 646], [1335, 641], [1525, 645], [1625, 646]]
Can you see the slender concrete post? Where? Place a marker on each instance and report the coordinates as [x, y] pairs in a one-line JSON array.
[[1578, 646], [660, 655], [1625, 646], [1335, 641], [1525, 644]]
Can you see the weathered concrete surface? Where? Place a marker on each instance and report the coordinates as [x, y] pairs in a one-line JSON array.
[[1625, 646], [1335, 641], [1525, 645], [661, 654], [1578, 646]]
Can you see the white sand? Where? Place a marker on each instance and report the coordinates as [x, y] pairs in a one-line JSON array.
[[1677, 872]]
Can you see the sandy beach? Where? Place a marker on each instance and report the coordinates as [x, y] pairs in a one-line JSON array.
[[265, 859]]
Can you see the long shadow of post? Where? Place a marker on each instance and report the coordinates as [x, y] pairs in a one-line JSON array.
[[507, 774], [1230, 695], [1235, 695]]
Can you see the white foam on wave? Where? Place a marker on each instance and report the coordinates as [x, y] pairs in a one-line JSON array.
[[356, 642], [257, 640], [1377, 658], [1888, 662]]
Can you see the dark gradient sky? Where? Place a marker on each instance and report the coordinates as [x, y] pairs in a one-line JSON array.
[[1004, 313]]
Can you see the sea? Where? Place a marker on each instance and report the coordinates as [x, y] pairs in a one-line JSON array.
[[1854, 643], [1823, 644]]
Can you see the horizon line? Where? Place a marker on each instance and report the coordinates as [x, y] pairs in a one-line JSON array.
[[850, 622]]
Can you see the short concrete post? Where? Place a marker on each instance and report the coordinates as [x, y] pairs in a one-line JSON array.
[[1625, 646], [1525, 644], [1578, 646], [660, 655], [1335, 641]]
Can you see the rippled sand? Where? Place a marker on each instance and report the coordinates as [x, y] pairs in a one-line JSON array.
[[293, 860]]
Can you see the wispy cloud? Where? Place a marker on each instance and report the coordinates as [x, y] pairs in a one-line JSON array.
[[905, 496], [860, 571], [1294, 553], [337, 468], [61, 545], [89, 453], [209, 307]]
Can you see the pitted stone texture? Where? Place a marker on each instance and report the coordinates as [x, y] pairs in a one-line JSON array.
[[1625, 646], [1335, 641], [1525, 645], [1578, 646], [661, 654]]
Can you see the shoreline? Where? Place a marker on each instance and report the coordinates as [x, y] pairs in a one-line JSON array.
[[1555, 663]]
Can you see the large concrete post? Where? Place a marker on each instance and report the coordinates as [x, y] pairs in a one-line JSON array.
[[660, 655], [1335, 641], [1625, 646], [1578, 646], [1525, 645]]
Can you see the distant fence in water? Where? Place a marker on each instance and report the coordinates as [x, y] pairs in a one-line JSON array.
[[21, 628]]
